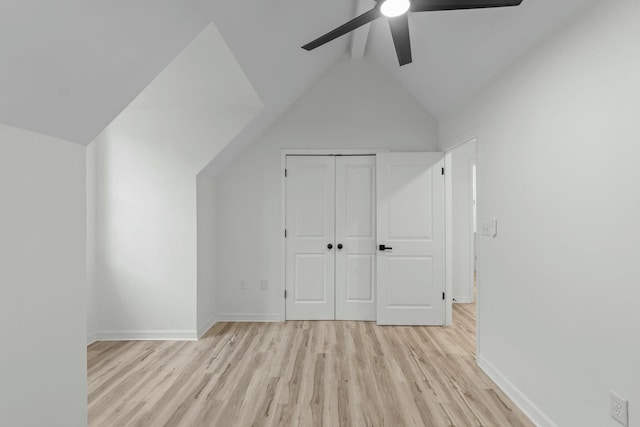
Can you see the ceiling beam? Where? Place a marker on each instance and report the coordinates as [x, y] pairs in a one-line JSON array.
[[359, 37]]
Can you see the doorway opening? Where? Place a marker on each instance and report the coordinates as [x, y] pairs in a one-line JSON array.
[[462, 233]]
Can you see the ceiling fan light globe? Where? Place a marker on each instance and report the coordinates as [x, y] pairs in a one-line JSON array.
[[393, 8]]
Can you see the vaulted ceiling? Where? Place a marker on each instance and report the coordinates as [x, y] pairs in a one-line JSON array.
[[69, 67], [456, 52]]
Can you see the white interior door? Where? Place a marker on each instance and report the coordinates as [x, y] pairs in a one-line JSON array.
[[355, 238], [410, 213], [310, 227]]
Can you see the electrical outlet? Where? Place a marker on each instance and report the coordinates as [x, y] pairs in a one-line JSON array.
[[264, 285], [619, 409], [243, 284]]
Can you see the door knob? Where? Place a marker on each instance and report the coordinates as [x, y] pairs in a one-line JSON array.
[[339, 245], [330, 246], [384, 248]]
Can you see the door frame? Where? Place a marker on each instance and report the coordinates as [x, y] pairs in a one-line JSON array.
[[283, 200], [472, 167]]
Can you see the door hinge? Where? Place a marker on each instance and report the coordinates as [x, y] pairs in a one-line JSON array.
[[285, 173], [442, 171], [285, 233], [443, 296], [285, 294]]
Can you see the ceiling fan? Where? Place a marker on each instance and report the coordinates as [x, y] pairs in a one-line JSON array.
[[396, 11]]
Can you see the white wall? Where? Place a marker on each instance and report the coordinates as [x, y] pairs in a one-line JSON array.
[[42, 281], [558, 150], [462, 157], [206, 211], [145, 171], [356, 104]]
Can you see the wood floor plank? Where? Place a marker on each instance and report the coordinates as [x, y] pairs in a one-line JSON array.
[[302, 373]]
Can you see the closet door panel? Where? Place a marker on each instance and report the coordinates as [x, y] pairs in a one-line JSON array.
[[355, 238], [310, 242]]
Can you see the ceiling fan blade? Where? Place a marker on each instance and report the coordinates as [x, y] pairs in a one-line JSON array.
[[434, 5], [356, 22], [400, 34]]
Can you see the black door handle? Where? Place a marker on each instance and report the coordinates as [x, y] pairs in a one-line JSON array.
[[384, 248], [340, 246], [329, 246]]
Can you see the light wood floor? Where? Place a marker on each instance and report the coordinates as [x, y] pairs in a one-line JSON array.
[[302, 374]]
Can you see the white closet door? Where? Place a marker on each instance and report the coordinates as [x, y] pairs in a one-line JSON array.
[[410, 201], [310, 219], [355, 238]]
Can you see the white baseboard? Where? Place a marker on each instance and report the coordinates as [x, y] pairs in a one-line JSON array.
[[91, 339], [180, 335], [204, 328], [248, 317], [146, 335], [463, 300], [527, 406]]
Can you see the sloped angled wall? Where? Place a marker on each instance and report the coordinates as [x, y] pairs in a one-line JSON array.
[[145, 169]]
